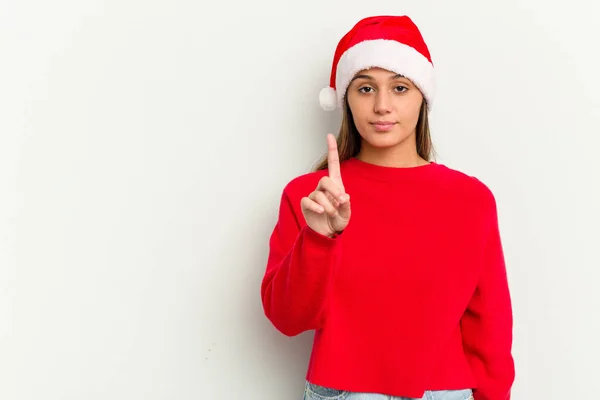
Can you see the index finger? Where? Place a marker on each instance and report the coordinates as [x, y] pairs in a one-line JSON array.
[[333, 159]]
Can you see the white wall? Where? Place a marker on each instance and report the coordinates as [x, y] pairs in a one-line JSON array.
[[144, 145]]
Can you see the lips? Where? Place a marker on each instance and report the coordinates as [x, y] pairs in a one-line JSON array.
[[383, 125]]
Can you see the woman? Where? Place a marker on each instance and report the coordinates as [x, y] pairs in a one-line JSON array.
[[393, 259]]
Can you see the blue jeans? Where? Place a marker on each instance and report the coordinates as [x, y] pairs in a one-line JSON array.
[[315, 392]]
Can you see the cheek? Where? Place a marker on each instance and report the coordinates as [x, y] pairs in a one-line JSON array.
[[360, 112], [409, 112]]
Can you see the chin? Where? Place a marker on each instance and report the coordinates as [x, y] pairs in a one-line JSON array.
[[384, 139]]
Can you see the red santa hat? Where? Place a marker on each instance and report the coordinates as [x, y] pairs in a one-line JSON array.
[[390, 42]]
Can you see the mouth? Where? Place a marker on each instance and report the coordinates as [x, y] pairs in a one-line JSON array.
[[383, 125]]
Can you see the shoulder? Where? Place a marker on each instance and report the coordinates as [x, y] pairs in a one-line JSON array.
[[471, 188]]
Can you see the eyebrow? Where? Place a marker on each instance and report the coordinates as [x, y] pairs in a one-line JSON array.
[[369, 77]]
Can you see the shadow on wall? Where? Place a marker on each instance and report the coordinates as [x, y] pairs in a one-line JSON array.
[[264, 353], [261, 353]]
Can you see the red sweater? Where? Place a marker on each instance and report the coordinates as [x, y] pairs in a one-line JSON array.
[[411, 296]]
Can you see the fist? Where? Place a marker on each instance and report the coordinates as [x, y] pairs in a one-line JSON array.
[[327, 209]]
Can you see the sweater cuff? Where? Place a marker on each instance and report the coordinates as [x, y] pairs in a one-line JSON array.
[[321, 239]]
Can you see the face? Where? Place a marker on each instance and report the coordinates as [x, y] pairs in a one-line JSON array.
[[385, 107]]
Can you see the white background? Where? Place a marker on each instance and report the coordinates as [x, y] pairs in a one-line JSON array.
[[144, 146]]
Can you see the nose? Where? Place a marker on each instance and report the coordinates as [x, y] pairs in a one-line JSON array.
[[383, 102]]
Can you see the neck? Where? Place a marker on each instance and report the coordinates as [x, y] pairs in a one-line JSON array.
[[403, 155]]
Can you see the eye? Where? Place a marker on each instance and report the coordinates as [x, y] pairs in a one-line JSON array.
[[365, 89], [401, 89]]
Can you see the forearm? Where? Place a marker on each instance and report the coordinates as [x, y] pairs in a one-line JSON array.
[[296, 286]]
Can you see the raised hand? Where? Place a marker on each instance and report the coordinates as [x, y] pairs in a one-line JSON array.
[[327, 209]]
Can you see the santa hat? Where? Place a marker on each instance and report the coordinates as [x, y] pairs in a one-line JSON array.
[[390, 42]]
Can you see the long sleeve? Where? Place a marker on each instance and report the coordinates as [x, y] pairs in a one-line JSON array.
[[488, 322], [300, 268]]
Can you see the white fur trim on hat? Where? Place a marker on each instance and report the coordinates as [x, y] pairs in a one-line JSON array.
[[387, 54]]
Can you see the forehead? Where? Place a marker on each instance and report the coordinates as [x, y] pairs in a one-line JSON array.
[[379, 74], [376, 71]]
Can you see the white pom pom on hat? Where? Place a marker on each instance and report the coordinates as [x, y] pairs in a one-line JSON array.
[[328, 99], [389, 42]]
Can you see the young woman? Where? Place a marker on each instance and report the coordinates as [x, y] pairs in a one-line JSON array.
[[394, 260]]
